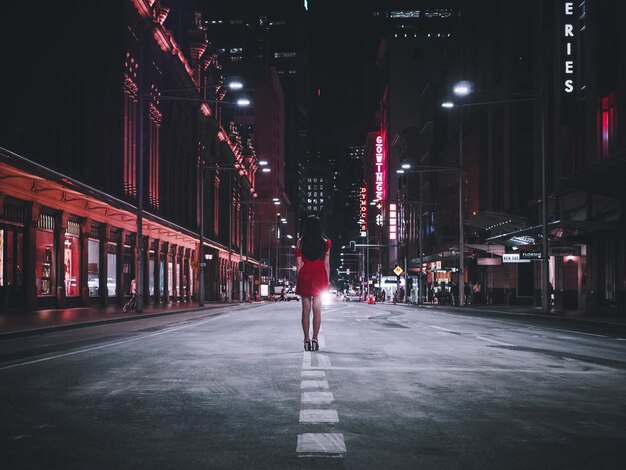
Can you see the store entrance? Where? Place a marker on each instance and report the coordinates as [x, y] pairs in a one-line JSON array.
[[12, 294]]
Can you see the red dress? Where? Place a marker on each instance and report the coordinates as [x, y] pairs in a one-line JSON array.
[[312, 277]]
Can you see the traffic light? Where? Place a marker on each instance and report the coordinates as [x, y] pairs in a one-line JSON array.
[[352, 245]]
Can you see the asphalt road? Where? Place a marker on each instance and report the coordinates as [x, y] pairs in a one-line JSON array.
[[391, 387]]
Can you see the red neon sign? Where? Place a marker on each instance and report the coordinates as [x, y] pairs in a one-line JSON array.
[[393, 222], [380, 169], [363, 211]]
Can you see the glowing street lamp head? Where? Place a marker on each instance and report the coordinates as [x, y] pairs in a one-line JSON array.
[[406, 166], [447, 105], [462, 88], [243, 102], [263, 162], [266, 169], [235, 85]]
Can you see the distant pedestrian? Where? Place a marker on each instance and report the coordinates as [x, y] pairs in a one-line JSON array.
[[468, 293], [313, 276], [476, 288]]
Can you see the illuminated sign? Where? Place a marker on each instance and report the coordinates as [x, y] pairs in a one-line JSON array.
[[380, 168], [568, 43], [363, 211], [393, 222]]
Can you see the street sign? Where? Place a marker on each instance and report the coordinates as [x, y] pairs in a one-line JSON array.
[[398, 270], [513, 258]]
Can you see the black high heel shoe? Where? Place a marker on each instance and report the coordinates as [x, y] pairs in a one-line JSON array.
[[314, 345], [307, 345]]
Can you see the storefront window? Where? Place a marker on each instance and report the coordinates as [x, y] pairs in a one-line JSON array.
[[93, 267], [191, 291], [111, 274], [2, 258], [162, 278], [71, 259], [170, 278], [151, 275], [178, 279], [128, 271], [45, 278]]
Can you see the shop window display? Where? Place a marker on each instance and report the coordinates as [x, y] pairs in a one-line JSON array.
[[45, 278], [170, 278], [162, 278], [71, 259], [151, 276], [93, 267], [111, 274]]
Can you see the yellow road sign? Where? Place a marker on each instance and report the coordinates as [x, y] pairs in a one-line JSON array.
[[398, 270]]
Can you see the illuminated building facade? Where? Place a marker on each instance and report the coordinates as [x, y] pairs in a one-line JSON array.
[[128, 122]]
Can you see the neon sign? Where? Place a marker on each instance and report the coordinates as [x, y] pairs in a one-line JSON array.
[[393, 222], [568, 40], [380, 169], [363, 211]]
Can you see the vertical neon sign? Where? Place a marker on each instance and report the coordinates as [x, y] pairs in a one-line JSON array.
[[363, 211], [380, 169], [568, 42], [393, 222]]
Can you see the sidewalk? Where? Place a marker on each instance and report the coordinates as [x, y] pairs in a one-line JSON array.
[[24, 323], [617, 317]]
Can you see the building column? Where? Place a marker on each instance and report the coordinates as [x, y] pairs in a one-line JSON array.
[[157, 272], [59, 240], [30, 258], [84, 260]]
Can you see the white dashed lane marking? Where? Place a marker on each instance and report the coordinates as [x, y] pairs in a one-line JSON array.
[[313, 379], [319, 416], [313, 374], [317, 398], [314, 384], [321, 443]]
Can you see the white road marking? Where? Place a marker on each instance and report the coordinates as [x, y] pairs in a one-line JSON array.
[[443, 329], [314, 384], [313, 374], [494, 341], [477, 369], [321, 443], [317, 397], [319, 416], [306, 360]]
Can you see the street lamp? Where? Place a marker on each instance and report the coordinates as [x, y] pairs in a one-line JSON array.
[[464, 88], [434, 169]]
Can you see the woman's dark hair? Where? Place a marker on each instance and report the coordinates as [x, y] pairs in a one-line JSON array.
[[312, 243]]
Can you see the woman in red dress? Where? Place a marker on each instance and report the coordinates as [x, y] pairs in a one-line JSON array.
[[313, 265]]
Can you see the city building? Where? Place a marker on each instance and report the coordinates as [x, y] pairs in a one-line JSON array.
[[113, 161]]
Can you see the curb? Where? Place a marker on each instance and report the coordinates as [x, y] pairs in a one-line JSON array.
[[114, 319], [545, 316]]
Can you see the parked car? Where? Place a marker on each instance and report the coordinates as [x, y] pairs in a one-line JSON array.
[[352, 297], [291, 295]]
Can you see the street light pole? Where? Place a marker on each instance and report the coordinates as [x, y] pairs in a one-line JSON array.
[[461, 285], [526, 98], [201, 262], [545, 262]]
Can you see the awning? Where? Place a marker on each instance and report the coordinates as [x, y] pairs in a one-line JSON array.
[[557, 230], [496, 222]]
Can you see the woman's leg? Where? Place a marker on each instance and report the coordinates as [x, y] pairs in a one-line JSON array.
[[306, 310], [317, 315]]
